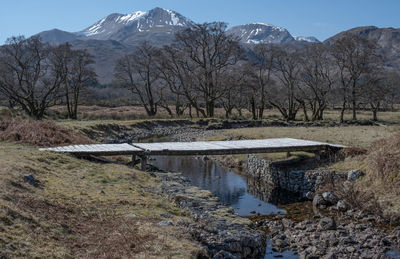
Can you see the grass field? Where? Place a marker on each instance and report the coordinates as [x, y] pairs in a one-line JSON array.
[[83, 209], [95, 112], [356, 136], [137, 112]]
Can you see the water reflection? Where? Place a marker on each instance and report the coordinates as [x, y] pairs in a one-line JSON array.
[[230, 187], [270, 253], [271, 194]]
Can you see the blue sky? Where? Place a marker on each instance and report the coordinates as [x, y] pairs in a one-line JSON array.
[[319, 18]]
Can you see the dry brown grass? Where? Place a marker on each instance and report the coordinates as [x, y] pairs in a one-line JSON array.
[[384, 159], [95, 112], [378, 191], [39, 133], [352, 152], [66, 215], [354, 136]]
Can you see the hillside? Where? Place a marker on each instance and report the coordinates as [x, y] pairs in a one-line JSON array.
[[387, 38]]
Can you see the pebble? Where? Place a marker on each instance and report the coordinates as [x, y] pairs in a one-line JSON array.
[[164, 223], [327, 238], [30, 179]]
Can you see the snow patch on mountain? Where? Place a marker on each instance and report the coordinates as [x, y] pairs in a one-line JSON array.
[[96, 28], [255, 33], [306, 39], [130, 17], [174, 18], [274, 27]]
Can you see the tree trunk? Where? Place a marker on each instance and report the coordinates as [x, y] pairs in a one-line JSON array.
[[353, 97], [253, 109], [190, 111], [375, 114], [304, 107], [261, 112], [342, 112], [210, 108]]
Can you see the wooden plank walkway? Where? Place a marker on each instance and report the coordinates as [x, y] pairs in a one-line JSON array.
[[198, 148], [97, 149]]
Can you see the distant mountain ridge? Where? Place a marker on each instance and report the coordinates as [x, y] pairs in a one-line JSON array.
[[160, 24], [388, 40], [117, 34], [125, 28]]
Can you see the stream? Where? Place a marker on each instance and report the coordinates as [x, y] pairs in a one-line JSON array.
[[230, 187], [247, 196]]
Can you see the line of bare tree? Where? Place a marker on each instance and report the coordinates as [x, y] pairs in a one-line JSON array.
[[35, 76], [206, 68]]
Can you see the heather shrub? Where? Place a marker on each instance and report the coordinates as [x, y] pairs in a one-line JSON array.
[[39, 133]]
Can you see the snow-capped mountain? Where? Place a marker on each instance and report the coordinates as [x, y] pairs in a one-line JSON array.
[[156, 25], [255, 33], [122, 27], [310, 39], [109, 25]]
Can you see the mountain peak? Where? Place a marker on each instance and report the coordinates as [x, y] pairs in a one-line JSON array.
[[160, 17], [138, 21], [254, 33]]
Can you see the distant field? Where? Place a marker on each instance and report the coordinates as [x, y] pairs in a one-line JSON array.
[[137, 112], [357, 136]]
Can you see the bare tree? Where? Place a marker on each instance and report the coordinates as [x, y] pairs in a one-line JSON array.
[[264, 59], [237, 85], [175, 71], [317, 78], [138, 71], [213, 52], [376, 89], [354, 56], [285, 94], [26, 77], [392, 80], [77, 74]]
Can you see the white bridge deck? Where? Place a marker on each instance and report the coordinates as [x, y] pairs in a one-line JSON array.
[[198, 148]]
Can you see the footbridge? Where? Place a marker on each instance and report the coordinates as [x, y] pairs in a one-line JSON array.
[[144, 150]]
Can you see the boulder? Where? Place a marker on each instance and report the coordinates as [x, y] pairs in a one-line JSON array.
[[318, 200], [341, 206], [354, 175], [310, 195], [330, 198], [280, 244], [327, 223]]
